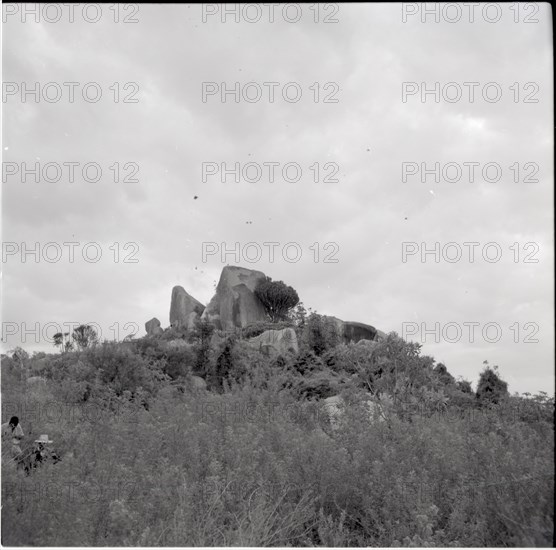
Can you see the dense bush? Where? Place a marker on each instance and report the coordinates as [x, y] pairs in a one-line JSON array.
[[320, 333], [254, 461], [491, 388], [202, 335]]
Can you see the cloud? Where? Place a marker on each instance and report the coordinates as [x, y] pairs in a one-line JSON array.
[[367, 214]]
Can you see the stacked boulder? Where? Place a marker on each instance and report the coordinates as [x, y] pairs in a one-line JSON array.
[[184, 309], [350, 331], [276, 341], [377, 408], [153, 327], [235, 303]]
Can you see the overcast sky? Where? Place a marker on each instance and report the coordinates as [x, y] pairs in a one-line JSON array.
[[362, 61]]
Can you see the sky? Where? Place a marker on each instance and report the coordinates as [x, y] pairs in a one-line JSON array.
[[151, 138]]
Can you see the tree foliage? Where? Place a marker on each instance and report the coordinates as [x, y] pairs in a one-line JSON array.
[[85, 336], [277, 298], [491, 388], [320, 333]]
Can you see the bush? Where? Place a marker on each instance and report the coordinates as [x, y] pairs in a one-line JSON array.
[[202, 335], [491, 388], [117, 367], [319, 333], [255, 463]]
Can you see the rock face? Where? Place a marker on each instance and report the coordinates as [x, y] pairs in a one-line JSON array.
[[177, 344], [364, 343], [277, 341], [198, 383], [153, 327], [350, 331], [333, 407], [353, 332], [192, 319], [377, 408], [182, 308], [235, 303]]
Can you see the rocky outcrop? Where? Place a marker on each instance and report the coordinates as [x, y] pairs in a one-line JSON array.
[[153, 327], [378, 409], [198, 383], [370, 344], [182, 308], [235, 303], [353, 332], [276, 341], [192, 320], [350, 331], [333, 407], [176, 344]]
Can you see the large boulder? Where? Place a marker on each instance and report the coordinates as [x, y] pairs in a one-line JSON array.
[[235, 303], [333, 407], [177, 344], [198, 383], [182, 306], [153, 327], [350, 331], [353, 332], [369, 344], [378, 408], [277, 341]]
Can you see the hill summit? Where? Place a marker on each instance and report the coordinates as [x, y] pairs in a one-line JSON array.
[[235, 305]]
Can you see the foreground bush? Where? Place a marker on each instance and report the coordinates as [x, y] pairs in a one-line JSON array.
[[261, 467], [257, 462]]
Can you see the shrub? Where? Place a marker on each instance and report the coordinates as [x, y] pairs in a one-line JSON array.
[[319, 333], [491, 388], [120, 369], [255, 463], [201, 335]]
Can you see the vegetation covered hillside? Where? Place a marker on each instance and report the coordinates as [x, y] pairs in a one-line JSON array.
[[148, 458]]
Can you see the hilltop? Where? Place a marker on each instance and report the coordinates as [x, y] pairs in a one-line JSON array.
[[253, 421]]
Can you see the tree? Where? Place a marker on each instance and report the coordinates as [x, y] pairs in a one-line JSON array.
[[224, 366], [464, 386], [443, 375], [68, 346], [63, 341], [320, 333], [299, 315], [202, 335], [85, 336], [59, 340], [22, 357], [491, 388], [277, 298]]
